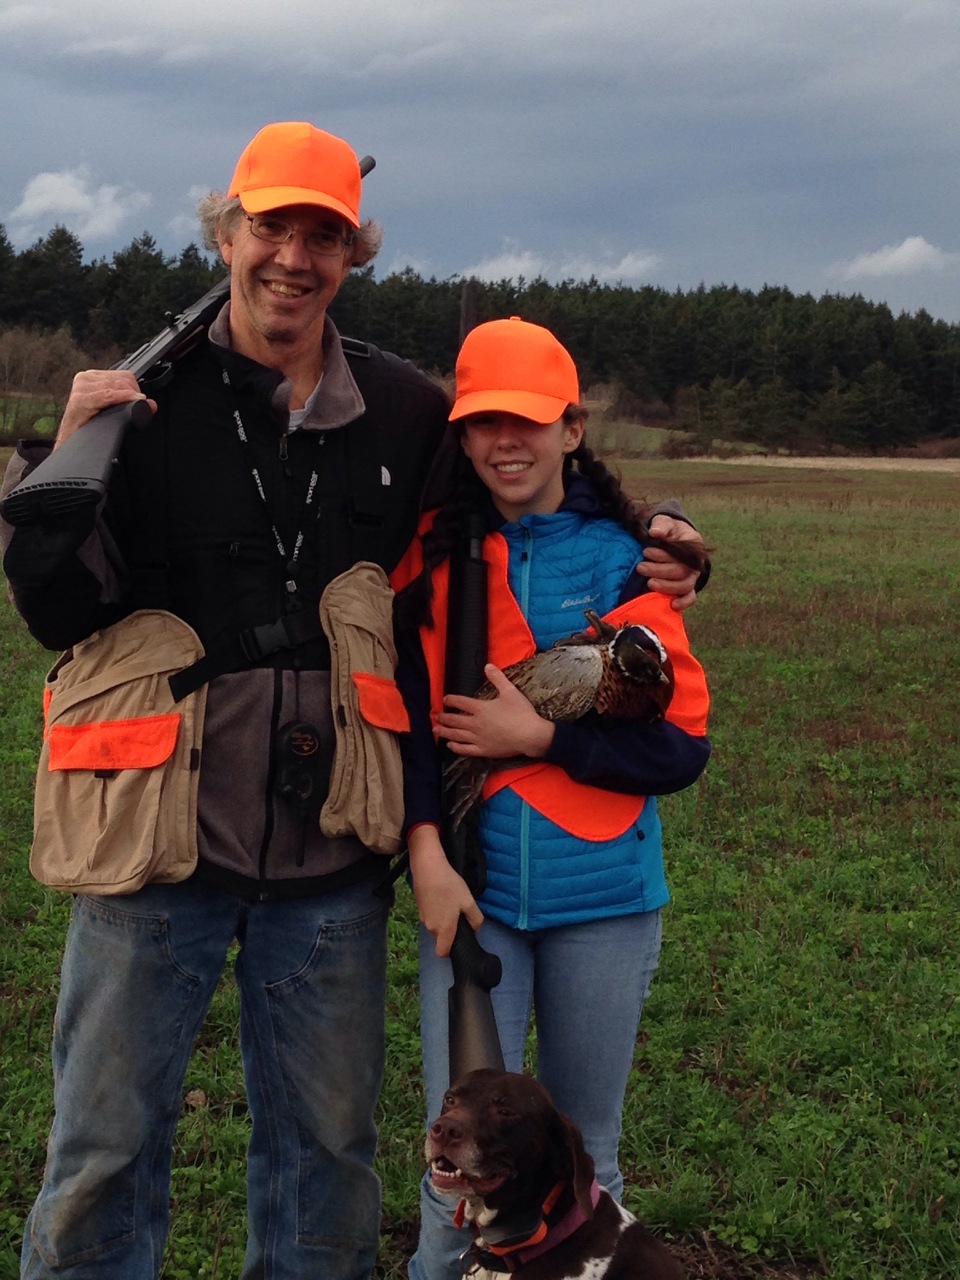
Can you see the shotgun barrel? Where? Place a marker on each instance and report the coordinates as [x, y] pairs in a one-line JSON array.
[[474, 1041]]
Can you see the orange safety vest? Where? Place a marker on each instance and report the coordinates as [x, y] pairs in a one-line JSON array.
[[586, 811]]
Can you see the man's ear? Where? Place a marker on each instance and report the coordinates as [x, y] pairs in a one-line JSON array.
[[225, 244]]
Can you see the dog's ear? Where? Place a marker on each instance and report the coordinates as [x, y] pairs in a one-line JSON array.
[[576, 1162]]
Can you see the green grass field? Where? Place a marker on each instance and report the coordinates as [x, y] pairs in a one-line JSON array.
[[795, 1106], [27, 416]]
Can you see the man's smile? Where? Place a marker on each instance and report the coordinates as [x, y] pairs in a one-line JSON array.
[[283, 290]]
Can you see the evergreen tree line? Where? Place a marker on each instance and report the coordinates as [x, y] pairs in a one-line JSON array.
[[769, 367], [106, 306], [779, 370]]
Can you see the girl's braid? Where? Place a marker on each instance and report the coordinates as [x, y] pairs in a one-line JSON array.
[[613, 501], [414, 602], [633, 516]]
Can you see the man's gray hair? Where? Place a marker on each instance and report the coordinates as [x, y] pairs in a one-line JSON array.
[[223, 214]]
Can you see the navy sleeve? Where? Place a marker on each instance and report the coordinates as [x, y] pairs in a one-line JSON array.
[[418, 750], [638, 759], [64, 580]]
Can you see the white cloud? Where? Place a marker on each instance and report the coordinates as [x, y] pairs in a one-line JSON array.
[[68, 197], [633, 266], [513, 262], [402, 261], [912, 255], [510, 264], [185, 225]]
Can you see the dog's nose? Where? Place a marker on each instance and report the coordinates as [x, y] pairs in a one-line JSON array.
[[446, 1129]]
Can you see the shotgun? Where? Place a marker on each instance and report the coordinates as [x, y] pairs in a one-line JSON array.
[[69, 486], [474, 1041]]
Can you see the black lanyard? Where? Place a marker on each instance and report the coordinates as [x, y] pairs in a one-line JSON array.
[[291, 562]]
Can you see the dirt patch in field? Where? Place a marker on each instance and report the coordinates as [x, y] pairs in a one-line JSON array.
[[838, 464], [708, 1259]]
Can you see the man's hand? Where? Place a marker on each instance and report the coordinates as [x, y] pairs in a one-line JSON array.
[[94, 390], [500, 727], [662, 571]]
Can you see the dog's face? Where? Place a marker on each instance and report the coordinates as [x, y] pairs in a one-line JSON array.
[[500, 1138]]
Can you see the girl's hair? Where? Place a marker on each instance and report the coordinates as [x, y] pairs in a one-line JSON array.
[[470, 496], [222, 213]]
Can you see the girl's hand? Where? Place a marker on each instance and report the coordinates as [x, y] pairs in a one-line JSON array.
[[500, 727], [442, 895], [662, 571]]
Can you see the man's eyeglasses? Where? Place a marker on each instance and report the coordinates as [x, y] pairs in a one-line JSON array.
[[327, 238]]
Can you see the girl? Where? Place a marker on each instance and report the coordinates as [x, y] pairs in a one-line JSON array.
[[575, 880]]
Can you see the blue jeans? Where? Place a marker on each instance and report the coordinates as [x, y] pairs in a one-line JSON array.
[[585, 984], [138, 975]]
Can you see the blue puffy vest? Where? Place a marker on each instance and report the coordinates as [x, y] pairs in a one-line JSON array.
[[538, 874]]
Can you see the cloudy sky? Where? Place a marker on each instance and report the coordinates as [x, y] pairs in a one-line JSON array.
[[806, 143]]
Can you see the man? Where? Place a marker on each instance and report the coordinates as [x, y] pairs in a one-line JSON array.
[[278, 457]]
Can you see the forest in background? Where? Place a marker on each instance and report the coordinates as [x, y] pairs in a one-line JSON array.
[[767, 369]]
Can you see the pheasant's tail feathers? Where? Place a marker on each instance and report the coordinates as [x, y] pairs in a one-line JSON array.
[[464, 777], [600, 632]]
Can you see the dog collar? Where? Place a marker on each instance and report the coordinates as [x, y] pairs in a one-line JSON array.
[[509, 1245]]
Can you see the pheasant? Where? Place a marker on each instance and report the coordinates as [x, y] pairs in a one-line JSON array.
[[620, 673]]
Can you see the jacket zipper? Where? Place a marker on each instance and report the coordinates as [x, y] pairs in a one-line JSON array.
[[524, 913], [268, 797], [526, 556]]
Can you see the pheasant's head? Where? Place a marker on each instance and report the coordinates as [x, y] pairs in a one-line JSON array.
[[638, 653]]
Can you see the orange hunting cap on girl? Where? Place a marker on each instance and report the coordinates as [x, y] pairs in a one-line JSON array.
[[512, 366], [295, 163]]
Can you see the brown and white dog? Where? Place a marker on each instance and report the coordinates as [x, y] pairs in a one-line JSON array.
[[528, 1191]]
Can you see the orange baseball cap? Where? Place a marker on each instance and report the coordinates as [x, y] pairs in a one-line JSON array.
[[512, 366], [295, 163]]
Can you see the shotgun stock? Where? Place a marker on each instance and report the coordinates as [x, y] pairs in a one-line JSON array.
[[69, 486]]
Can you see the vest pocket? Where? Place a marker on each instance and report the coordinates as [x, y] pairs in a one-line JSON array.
[[366, 782], [380, 702], [115, 804], [109, 745]]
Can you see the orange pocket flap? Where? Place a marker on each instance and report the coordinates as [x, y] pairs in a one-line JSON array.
[[142, 743], [380, 702]]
